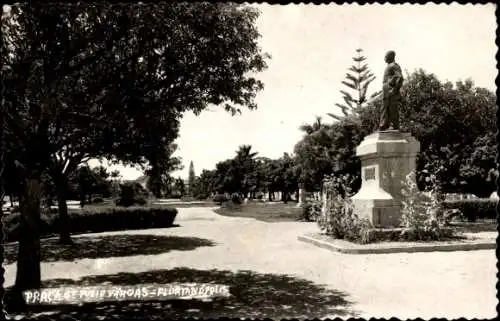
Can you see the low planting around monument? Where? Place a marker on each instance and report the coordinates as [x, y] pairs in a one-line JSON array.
[[425, 216]]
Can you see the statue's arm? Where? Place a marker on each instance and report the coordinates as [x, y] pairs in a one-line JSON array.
[[398, 75]]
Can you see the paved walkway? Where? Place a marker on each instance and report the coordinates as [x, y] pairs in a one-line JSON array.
[[407, 285]]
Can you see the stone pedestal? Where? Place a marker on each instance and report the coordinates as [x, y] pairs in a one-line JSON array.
[[387, 157]]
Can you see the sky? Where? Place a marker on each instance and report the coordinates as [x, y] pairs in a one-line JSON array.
[[311, 48]]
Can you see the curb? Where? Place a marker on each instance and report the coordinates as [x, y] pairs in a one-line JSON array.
[[352, 248]]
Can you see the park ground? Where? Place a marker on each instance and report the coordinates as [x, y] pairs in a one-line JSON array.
[[271, 273]]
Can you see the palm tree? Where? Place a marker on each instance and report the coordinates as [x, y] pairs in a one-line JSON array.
[[314, 127], [244, 166], [244, 152]]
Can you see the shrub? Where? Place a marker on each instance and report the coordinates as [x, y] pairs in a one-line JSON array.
[[236, 198], [95, 220], [220, 198], [52, 211], [339, 219], [202, 196], [473, 209], [130, 194], [127, 191], [98, 200], [11, 224], [451, 214], [175, 195], [422, 217], [311, 211], [188, 198], [127, 202]]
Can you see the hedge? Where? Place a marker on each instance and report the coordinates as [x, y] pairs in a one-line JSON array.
[[99, 219], [474, 209], [220, 198]]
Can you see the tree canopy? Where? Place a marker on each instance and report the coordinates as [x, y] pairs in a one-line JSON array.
[[96, 80]]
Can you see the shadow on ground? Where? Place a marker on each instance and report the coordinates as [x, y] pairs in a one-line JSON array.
[[253, 295], [93, 247]]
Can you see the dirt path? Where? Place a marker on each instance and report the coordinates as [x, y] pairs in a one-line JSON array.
[[407, 285]]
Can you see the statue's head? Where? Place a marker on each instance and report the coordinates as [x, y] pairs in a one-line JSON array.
[[389, 56]]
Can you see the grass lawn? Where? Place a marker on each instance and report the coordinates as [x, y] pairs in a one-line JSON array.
[[267, 212], [181, 204]]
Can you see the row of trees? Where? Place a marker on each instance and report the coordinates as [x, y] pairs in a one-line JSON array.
[[248, 175], [84, 81], [453, 123], [83, 183]]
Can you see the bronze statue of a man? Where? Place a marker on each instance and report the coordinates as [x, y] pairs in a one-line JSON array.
[[393, 80]]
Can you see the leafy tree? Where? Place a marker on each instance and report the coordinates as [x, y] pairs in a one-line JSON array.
[[289, 180], [162, 163], [87, 81], [306, 166], [455, 129], [247, 174], [313, 158], [179, 188], [86, 182], [264, 169], [102, 182], [224, 178], [243, 169], [205, 184]]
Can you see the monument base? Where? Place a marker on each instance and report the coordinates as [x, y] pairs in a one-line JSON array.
[[377, 206], [386, 159], [380, 213]]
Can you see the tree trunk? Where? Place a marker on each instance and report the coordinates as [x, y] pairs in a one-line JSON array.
[[62, 204], [28, 260], [82, 199], [11, 201]]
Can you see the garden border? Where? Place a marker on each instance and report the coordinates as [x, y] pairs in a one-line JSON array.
[[346, 247]]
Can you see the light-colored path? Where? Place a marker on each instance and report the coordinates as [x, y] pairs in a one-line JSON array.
[[405, 285]]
